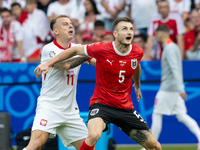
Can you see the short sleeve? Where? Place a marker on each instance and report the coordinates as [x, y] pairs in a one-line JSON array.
[[180, 25], [50, 10], [93, 50], [150, 30], [48, 52], [140, 53], [18, 31]]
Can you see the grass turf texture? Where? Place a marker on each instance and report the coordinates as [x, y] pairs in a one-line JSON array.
[[164, 147]]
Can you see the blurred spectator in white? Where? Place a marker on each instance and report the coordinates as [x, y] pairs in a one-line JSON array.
[[192, 38], [8, 3], [141, 12], [61, 7], [16, 10], [180, 6], [80, 8], [87, 39], [140, 41], [43, 4], [35, 30], [112, 9], [99, 30], [11, 48], [86, 25], [175, 24], [107, 36]]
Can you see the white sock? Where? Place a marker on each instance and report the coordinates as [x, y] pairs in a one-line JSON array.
[[24, 149], [190, 123], [156, 125]]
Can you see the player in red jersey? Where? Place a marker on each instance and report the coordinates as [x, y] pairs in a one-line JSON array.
[[117, 63]]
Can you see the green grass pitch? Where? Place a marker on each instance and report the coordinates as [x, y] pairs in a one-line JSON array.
[[164, 147]]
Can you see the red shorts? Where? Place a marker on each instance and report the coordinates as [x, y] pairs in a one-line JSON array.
[[36, 53]]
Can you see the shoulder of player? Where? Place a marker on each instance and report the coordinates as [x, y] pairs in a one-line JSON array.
[[171, 48], [137, 48], [53, 4]]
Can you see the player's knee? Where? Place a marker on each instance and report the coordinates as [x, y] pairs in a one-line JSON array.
[[93, 137], [179, 118], [155, 145]]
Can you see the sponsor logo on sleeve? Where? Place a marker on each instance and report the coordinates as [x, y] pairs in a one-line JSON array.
[[43, 122], [134, 63], [94, 111], [52, 54]]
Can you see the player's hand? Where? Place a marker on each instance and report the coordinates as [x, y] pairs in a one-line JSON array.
[[137, 92], [184, 95], [41, 68]]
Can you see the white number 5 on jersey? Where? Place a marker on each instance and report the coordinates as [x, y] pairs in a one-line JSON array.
[[121, 76]]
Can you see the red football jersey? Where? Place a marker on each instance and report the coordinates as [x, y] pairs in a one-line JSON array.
[[114, 72], [175, 24]]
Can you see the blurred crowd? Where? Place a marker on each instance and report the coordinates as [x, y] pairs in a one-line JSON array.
[[24, 25]]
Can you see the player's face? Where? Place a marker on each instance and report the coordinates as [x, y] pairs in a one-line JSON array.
[[6, 18], [64, 28], [163, 8], [124, 32], [159, 36]]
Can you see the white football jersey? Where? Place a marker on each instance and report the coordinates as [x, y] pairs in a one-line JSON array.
[[58, 85]]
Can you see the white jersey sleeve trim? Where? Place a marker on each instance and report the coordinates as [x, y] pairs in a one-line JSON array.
[[85, 50]]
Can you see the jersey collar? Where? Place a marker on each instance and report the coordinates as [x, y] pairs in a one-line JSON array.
[[169, 41], [119, 53], [59, 46]]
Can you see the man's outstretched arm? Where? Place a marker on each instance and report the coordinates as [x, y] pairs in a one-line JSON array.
[[136, 78], [77, 50]]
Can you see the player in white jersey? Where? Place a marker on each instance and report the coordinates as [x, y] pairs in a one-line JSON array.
[[57, 110]]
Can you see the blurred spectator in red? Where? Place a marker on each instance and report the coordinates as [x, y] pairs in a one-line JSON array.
[[87, 39], [107, 36], [140, 41], [8, 3], [141, 12], [99, 30], [192, 38], [11, 48], [16, 10], [86, 25], [112, 9], [35, 29], [43, 4], [60, 7], [175, 24], [180, 6]]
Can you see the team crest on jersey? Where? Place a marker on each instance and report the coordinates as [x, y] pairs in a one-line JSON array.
[[52, 54], [134, 63], [90, 44], [94, 111], [43, 122]]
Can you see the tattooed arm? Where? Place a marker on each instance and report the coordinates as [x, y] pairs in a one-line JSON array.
[[71, 63]]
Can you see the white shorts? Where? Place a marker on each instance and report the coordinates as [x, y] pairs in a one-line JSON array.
[[69, 127], [169, 103]]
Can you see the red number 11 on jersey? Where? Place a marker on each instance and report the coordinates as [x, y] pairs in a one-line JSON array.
[[72, 79]]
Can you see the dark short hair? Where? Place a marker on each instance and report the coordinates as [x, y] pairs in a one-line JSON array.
[[125, 19], [31, 1], [53, 21], [94, 7], [5, 10], [162, 1], [99, 23], [15, 4], [163, 28]]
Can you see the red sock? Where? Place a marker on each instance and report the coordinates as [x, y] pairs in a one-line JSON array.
[[84, 146]]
